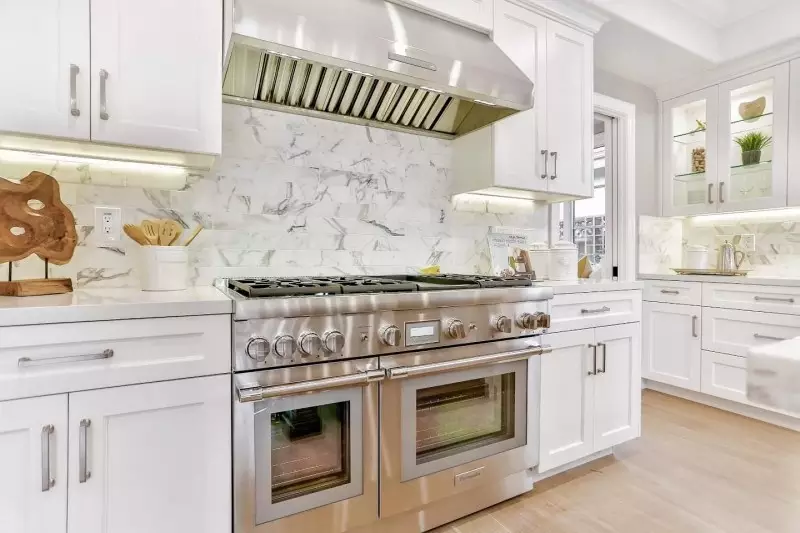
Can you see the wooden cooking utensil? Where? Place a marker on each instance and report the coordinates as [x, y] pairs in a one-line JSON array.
[[150, 228], [194, 234], [135, 232], [169, 232]]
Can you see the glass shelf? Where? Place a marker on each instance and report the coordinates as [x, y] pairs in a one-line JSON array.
[[760, 122], [740, 169], [690, 137], [752, 119], [690, 177]]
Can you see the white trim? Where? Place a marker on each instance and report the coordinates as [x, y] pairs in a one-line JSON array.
[[539, 476], [576, 14]]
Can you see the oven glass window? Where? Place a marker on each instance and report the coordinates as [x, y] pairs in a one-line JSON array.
[[310, 450], [457, 417]]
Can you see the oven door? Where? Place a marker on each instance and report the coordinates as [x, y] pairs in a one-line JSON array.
[[456, 418], [305, 448]]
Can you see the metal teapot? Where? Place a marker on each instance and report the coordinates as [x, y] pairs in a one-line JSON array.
[[729, 258]]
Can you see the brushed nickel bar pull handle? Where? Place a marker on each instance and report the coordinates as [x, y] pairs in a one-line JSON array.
[[255, 394], [768, 337], [603, 345], [421, 63], [773, 299], [47, 481], [544, 174], [711, 193], [604, 309], [593, 371], [721, 193], [665, 291], [74, 70], [83, 468], [555, 165], [41, 361], [103, 100], [471, 362], [694, 326]]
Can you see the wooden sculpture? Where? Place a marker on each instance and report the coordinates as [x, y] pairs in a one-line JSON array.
[[33, 220]]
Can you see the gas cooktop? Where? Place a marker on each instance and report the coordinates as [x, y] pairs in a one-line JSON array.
[[331, 285]]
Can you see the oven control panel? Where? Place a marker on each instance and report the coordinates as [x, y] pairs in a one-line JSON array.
[[279, 342]]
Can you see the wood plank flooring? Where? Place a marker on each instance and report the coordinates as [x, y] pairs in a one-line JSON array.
[[696, 469]]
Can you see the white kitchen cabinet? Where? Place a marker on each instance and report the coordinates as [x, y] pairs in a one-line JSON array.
[[590, 393], [476, 14], [794, 133], [44, 54], [725, 376], [545, 152], [156, 78], [672, 346], [153, 457], [33, 465], [735, 332]]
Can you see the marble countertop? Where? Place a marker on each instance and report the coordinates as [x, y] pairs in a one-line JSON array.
[[744, 280], [111, 304], [590, 285]]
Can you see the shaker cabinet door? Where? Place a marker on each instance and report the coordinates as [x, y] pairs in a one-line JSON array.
[[33, 465], [153, 457], [671, 351], [156, 74], [794, 133], [44, 57]]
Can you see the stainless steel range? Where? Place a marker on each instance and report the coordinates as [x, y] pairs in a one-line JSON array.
[[412, 400]]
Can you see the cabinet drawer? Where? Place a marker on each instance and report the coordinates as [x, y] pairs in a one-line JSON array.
[[55, 358], [589, 310], [724, 376], [734, 332], [672, 292], [752, 297]]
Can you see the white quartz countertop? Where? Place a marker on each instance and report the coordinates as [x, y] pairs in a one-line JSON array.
[[590, 285], [111, 304], [745, 280]]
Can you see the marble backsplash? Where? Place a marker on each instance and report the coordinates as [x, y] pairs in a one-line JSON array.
[[662, 241], [292, 195]]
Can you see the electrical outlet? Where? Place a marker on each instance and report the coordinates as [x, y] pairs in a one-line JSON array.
[[748, 242], [107, 225]]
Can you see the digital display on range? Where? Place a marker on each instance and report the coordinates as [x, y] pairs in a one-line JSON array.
[[422, 333]]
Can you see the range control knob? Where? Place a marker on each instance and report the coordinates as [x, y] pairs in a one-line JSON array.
[[334, 341], [502, 324], [455, 329], [527, 321], [285, 346], [390, 335], [258, 348], [310, 344]]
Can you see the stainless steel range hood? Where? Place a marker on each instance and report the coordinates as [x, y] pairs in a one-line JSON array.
[[370, 62]]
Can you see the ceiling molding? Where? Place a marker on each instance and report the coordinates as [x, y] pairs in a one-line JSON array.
[[578, 14]]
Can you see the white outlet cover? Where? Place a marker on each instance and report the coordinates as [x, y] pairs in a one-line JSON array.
[[107, 225], [748, 242]]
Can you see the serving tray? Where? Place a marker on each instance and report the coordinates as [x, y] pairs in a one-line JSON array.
[[708, 272]]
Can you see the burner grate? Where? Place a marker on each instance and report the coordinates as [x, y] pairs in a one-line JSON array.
[[476, 281], [320, 286]]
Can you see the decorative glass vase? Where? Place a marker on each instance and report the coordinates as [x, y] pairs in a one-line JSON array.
[[752, 157]]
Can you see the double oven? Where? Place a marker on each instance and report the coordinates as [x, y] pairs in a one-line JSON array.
[[412, 409]]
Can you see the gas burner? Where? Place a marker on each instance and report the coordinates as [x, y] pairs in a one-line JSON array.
[[317, 285], [475, 280]]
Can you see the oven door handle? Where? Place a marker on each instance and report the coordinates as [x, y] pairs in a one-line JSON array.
[[254, 394], [460, 364]]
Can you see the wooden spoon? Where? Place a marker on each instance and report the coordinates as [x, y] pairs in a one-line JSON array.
[[193, 235], [150, 229], [169, 232], [135, 232]]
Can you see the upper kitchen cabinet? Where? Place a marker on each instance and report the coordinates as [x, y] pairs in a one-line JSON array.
[[476, 14], [133, 73], [44, 53], [156, 78], [689, 160], [544, 153], [753, 140], [794, 133]]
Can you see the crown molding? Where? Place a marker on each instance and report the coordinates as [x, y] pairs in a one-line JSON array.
[[577, 14]]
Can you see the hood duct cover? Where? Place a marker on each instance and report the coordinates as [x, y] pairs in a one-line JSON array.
[[370, 62]]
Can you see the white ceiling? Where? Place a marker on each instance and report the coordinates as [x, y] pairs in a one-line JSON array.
[[720, 13]]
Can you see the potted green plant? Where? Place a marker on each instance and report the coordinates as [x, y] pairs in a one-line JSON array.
[[751, 144]]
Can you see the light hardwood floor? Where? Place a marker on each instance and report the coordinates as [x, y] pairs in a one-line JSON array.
[[696, 469]]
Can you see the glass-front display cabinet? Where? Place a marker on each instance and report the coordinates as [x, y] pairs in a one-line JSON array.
[[753, 142], [689, 153]]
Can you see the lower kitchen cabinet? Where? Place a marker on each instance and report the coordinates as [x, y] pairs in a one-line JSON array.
[[590, 393], [671, 348], [153, 457], [33, 465]]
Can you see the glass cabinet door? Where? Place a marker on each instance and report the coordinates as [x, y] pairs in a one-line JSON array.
[[689, 148], [308, 452], [754, 121], [453, 418]]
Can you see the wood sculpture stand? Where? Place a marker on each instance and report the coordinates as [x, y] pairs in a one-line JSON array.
[[33, 220]]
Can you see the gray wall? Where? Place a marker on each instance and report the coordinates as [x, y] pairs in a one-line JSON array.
[[644, 98]]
